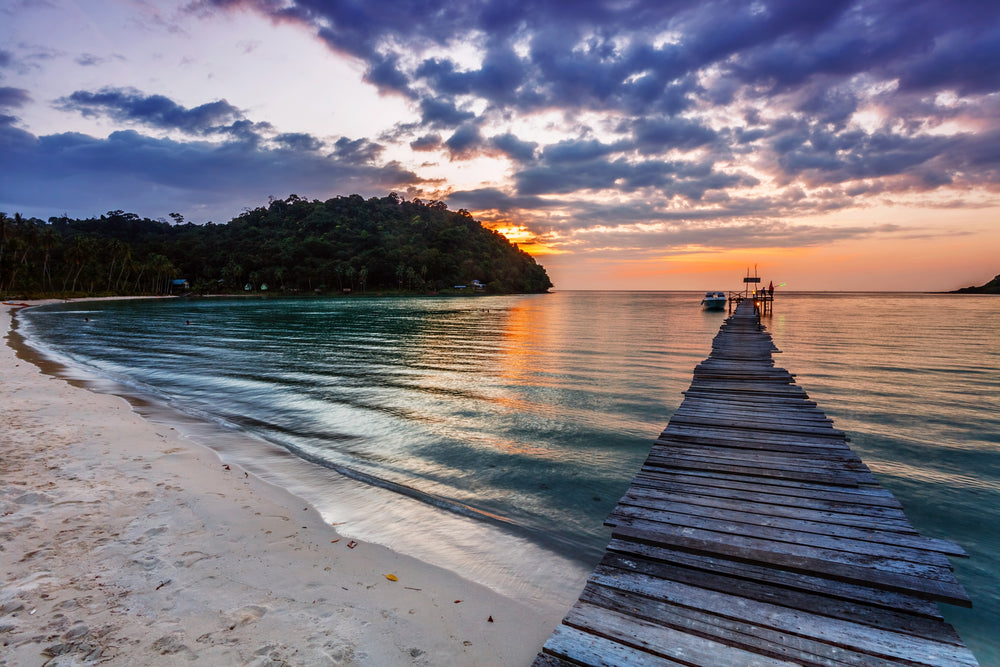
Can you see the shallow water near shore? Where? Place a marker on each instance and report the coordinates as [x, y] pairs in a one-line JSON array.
[[492, 435]]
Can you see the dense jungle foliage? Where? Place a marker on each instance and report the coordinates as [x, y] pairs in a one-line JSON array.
[[291, 245]]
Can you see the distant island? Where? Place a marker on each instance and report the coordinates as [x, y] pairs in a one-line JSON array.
[[992, 287], [343, 245]]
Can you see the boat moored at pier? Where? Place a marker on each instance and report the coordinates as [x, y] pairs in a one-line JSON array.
[[714, 301]]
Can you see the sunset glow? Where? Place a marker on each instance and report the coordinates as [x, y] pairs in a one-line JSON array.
[[634, 146]]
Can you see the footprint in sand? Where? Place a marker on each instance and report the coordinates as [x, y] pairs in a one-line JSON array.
[[189, 558], [246, 614]]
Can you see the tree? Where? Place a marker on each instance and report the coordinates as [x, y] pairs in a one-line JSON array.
[[344, 242]]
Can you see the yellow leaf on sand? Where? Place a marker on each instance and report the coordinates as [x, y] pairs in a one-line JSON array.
[[392, 577]]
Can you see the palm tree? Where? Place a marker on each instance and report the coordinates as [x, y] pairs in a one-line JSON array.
[[48, 240], [3, 244], [80, 254], [163, 270], [20, 245]]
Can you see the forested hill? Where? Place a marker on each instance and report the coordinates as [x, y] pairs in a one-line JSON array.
[[291, 245], [992, 287]]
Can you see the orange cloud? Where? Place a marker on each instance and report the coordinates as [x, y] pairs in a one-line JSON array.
[[524, 238]]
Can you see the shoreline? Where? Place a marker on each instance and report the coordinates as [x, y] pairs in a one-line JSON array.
[[125, 542]]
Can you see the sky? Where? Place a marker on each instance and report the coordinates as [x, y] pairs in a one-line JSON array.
[[626, 144]]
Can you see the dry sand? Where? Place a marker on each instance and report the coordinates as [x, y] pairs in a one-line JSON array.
[[122, 543]]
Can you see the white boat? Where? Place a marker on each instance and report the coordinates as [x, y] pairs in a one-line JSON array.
[[714, 301]]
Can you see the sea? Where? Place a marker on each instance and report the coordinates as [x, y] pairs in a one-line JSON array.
[[492, 435]]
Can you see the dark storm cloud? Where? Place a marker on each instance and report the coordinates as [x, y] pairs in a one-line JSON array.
[[648, 59], [656, 135], [668, 179], [441, 114], [465, 142], [428, 142], [153, 176], [299, 141], [153, 110], [514, 148], [679, 94], [357, 151], [13, 97], [495, 199]]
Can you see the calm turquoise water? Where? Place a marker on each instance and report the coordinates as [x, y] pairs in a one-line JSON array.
[[492, 435]]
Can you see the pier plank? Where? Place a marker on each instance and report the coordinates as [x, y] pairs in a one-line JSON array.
[[753, 535], [746, 634], [614, 565], [866, 597], [791, 624], [799, 533], [754, 504], [800, 521], [867, 495]]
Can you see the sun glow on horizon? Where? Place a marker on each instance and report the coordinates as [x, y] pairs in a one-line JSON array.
[[524, 238]]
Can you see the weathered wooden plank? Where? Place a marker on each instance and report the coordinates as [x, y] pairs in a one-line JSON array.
[[802, 532], [832, 461], [830, 452], [882, 518], [826, 460], [763, 589], [735, 397], [848, 635], [582, 648], [787, 408], [785, 415], [774, 489], [829, 637], [799, 519], [752, 503], [736, 632], [762, 425], [838, 479], [709, 433], [760, 468], [927, 580], [661, 640], [546, 660], [827, 448], [748, 387], [786, 579]]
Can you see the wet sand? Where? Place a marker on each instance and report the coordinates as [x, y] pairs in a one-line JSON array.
[[123, 543]]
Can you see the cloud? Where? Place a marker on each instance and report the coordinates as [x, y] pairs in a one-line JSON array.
[[357, 151], [442, 114], [464, 142], [153, 176], [91, 60], [299, 141], [514, 148], [13, 97], [428, 142], [657, 135], [715, 119], [498, 200], [126, 104]]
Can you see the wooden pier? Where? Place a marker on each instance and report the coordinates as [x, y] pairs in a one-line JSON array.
[[753, 535]]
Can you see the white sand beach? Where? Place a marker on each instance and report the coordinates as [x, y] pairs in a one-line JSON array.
[[123, 543]]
